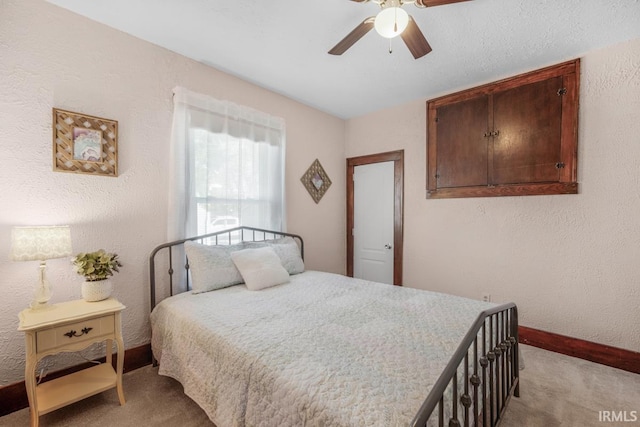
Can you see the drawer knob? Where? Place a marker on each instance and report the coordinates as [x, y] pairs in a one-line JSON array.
[[73, 333]]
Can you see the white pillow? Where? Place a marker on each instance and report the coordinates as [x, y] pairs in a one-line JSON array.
[[287, 250], [260, 268], [211, 266]]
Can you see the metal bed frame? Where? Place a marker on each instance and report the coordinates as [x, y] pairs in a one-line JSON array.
[[243, 233], [485, 365]]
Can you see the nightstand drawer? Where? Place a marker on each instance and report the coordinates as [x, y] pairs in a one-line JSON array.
[[74, 333]]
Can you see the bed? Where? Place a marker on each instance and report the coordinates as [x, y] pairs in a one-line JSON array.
[[323, 349]]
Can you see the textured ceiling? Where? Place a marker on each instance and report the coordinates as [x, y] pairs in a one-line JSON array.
[[282, 45]]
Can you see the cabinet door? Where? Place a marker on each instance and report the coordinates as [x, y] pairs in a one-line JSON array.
[[461, 143], [527, 133], [514, 137]]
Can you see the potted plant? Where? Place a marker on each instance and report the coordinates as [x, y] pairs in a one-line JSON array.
[[96, 267]]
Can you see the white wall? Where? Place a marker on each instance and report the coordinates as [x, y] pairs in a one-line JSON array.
[[570, 262], [50, 57]]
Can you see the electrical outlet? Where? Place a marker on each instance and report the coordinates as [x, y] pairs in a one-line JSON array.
[[486, 297]]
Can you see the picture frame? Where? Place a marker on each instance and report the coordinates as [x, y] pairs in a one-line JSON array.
[[84, 144], [316, 181]]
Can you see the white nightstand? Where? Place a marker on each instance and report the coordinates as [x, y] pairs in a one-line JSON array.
[[66, 327]]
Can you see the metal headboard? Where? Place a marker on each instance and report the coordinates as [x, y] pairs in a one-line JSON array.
[[224, 237]]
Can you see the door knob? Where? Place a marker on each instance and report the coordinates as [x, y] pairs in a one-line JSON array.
[[387, 246]]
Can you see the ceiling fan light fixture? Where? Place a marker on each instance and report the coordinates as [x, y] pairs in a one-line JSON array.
[[391, 22]]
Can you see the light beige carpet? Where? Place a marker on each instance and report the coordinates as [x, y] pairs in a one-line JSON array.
[[556, 390]]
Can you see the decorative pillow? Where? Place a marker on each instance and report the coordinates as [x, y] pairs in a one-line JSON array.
[[211, 266], [287, 250], [260, 268]]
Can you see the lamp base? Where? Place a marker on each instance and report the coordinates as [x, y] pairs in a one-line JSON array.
[[40, 306], [42, 294]]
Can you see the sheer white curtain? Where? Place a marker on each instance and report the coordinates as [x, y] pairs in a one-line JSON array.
[[227, 167]]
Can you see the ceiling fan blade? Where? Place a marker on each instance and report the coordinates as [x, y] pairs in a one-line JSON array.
[[353, 36], [431, 3], [414, 39]]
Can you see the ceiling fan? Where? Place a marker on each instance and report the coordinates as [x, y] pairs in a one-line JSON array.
[[390, 22]]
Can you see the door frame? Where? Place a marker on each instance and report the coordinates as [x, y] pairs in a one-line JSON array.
[[397, 157]]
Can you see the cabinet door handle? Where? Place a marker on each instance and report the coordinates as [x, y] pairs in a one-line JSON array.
[[73, 333], [495, 133]]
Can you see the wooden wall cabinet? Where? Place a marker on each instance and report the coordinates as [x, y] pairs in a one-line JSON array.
[[515, 137]]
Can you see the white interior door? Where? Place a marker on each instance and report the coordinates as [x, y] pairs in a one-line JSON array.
[[373, 207]]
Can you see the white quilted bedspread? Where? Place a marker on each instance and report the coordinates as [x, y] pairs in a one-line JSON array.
[[322, 350]]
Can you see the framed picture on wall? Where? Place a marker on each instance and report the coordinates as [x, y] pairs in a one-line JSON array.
[[84, 144], [316, 181]]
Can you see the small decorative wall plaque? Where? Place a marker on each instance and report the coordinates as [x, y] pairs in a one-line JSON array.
[[316, 181], [84, 144]]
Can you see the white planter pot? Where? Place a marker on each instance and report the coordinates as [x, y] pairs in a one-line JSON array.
[[97, 291]]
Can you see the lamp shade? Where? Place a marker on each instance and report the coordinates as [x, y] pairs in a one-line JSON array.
[[40, 243], [391, 22]]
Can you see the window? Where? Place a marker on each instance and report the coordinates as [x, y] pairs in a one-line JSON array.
[[237, 182], [227, 167]]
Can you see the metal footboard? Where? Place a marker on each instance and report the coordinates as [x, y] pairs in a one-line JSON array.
[[480, 378]]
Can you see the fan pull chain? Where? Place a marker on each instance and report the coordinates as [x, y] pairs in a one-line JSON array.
[[395, 20], [395, 28]]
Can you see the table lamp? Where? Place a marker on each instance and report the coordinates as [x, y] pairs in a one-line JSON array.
[[40, 244]]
